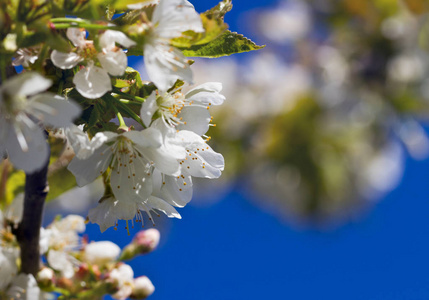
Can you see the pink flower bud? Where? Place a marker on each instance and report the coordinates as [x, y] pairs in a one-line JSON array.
[[147, 240]]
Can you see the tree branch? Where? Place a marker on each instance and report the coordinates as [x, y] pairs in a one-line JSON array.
[[36, 190]]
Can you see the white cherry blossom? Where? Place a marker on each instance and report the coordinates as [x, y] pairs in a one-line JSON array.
[[188, 111], [122, 278], [59, 239], [200, 161], [93, 81], [164, 63], [131, 156], [24, 287], [25, 57], [22, 139]]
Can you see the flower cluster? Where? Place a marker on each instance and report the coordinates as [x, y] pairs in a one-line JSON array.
[[72, 110], [74, 265]]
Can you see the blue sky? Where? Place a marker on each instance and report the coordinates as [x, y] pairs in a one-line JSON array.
[[232, 249]]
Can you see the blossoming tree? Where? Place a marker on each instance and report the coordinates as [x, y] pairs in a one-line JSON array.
[[76, 112]]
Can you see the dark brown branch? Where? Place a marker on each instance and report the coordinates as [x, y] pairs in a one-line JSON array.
[[36, 190]]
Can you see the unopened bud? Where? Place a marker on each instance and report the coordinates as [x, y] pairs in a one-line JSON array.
[[144, 242], [100, 253], [143, 288], [45, 277]]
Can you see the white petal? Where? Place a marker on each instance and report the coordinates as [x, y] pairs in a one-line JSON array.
[[53, 110], [101, 252], [110, 37], [206, 94], [148, 137], [165, 64], [130, 180], [104, 213], [92, 82], [65, 60], [174, 17], [197, 119], [177, 191], [87, 170], [28, 83], [76, 36], [61, 261], [202, 160], [114, 62], [149, 107], [32, 155], [161, 205], [8, 268], [24, 287]]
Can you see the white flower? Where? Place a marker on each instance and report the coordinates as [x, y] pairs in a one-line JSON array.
[[80, 142], [100, 253], [24, 287], [185, 112], [22, 138], [25, 57], [59, 239], [131, 157], [122, 278], [8, 267], [201, 160], [62, 262], [143, 288], [92, 81], [164, 63]]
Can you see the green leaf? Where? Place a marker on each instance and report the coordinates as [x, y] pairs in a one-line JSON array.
[[226, 44], [213, 23], [12, 182], [131, 78]]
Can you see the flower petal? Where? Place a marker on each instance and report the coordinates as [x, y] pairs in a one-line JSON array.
[[165, 64], [206, 94], [92, 82], [202, 161], [76, 36], [161, 205], [177, 191], [174, 17], [196, 119], [27, 147], [53, 110], [110, 37], [29, 83], [148, 137], [130, 179], [109, 211], [87, 170], [65, 60], [149, 107], [114, 62]]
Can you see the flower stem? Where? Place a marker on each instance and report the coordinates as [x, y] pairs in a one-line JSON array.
[[82, 25], [128, 96]]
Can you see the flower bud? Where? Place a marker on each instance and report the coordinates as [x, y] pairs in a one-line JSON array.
[[100, 253], [143, 288], [45, 277], [144, 242]]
